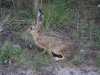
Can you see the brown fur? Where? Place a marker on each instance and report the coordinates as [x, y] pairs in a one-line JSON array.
[[51, 41]]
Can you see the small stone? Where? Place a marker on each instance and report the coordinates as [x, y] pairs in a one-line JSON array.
[[5, 61], [91, 60], [56, 69], [98, 6], [29, 72], [10, 61], [17, 46], [0, 74], [23, 72], [82, 51]]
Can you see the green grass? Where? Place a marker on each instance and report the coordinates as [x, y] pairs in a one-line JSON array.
[[57, 15], [78, 58], [6, 52], [26, 36], [33, 59], [97, 62], [30, 59], [98, 35], [88, 28]]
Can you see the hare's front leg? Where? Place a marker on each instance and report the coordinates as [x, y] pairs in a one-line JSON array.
[[47, 50], [44, 51]]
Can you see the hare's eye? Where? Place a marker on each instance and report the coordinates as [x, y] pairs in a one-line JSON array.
[[31, 28]]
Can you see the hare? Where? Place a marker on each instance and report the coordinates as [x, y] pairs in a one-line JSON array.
[[50, 41]]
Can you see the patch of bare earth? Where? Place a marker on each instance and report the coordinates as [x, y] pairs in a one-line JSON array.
[[16, 69], [57, 69]]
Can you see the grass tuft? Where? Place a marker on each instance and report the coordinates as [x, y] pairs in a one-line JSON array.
[[56, 15], [78, 60], [6, 52]]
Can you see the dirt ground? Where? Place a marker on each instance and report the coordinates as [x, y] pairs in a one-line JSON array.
[[54, 69]]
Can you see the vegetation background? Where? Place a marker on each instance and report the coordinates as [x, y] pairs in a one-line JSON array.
[[78, 19]]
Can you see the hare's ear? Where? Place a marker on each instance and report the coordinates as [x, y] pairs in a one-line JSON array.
[[39, 13], [40, 17]]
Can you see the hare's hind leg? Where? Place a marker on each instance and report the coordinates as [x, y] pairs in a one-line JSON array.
[[57, 58]]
